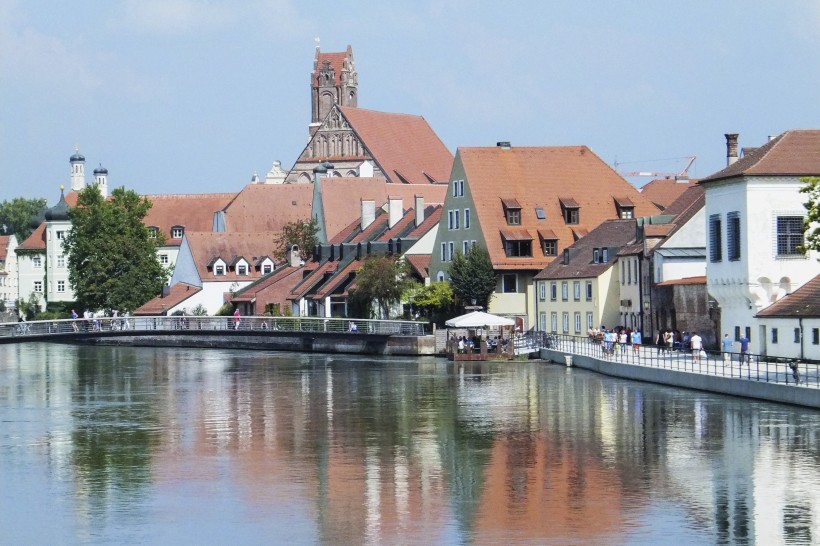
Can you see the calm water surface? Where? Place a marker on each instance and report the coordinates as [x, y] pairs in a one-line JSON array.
[[163, 446]]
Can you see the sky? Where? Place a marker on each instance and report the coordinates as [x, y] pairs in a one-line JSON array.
[[195, 96]]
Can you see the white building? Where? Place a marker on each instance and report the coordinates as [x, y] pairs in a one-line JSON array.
[[754, 226], [8, 271]]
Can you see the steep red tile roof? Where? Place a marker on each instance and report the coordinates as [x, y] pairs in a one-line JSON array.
[[432, 216], [341, 198], [341, 276], [268, 207], [793, 153], [205, 246], [4, 246], [664, 191], [803, 302], [194, 212], [404, 146], [312, 279], [335, 58], [35, 241], [683, 282], [271, 289], [542, 177], [658, 230], [178, 293], [420, 263]]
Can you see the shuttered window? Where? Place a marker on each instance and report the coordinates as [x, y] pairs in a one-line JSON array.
[[715, 241]]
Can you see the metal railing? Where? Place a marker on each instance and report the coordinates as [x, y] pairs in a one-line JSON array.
[[226, 324], [753, 367]]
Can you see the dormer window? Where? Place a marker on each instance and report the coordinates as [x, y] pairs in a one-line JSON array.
[[512, 211], [517, 243], [219, 270], [624, 207], [152, 232], [177, 231], [242, 270], [600, 255], [571, 210], [549, 242]]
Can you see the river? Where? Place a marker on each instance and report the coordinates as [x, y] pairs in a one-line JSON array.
[[112, 445]]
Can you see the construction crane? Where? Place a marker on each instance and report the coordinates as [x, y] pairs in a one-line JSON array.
[[681, 175]]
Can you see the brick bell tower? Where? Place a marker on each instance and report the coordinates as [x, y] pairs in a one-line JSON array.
[[333, 81]]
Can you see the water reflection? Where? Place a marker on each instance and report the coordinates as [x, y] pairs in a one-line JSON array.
[[215, 446]]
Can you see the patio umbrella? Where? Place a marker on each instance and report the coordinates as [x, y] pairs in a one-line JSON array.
[[478, 319]]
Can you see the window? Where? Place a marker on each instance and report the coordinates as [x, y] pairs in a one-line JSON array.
[[267, 268], [509, 283], [539, 213], [37, 261], [542, 291], [176, 232], [623, 273], [748, 333], [466, 246], [458, 188], [443, 252], [564, 291], [440, 276], [542, 321], [152, 232], [589, 321], [774, 335], [60, 261], [554, 321], [60, 286], [466, 218], [715, 242], [571, 216], [797, 335], [219, 270], [596, 255], [451, 252], [455, 218], [518, 249], [577, 323], [815, 336], [60, 235], [550, 247], [242, 270], [553, 291], [38, 287], [589, 290], [626, 212], [604, 255], [733, 236], [789, 235], [513, 217], [737, 333], [163, 259], [576, 290], [566, 322]]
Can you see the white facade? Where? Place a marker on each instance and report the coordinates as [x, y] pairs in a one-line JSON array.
[[58, 288], [681, 255], [764, 266], [9, 292]]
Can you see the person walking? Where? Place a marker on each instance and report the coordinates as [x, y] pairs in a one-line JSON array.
[[636, 342], [697, 345], [727, 346], [744, 350], [236, 320], [74, 317]]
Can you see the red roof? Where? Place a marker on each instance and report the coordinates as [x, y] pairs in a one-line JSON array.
[[205, 246], [192, 212], [160, 305], [664, 191]]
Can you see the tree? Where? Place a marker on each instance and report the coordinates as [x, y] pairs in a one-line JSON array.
[[380, 282], [112, 261], [812, 225], [17, 214], [434, 301], [299, 232], [472, 277]]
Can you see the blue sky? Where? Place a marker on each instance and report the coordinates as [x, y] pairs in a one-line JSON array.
[[191, 96]]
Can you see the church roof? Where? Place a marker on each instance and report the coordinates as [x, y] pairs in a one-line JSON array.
[[545, 177], [404, 146], [793, 153], [336, 60]]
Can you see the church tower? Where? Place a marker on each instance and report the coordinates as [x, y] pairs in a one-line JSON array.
[[77, 171], [101, 180], [334, 81]]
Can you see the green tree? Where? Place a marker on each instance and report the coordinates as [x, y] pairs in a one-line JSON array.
[[472, 277], [112, 261], [380, 284], [299, 232], [812, 226], [17, 214], [434, 301]]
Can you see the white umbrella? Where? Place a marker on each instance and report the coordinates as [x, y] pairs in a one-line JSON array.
[[478, 319]]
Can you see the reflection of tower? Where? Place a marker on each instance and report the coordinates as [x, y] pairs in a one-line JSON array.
[[77, 171], [334, 81], [101, 180]]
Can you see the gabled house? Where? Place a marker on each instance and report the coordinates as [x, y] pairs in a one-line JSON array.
[[754, 228], [792, 324], [580, 290], [401, 148], [525, 205]]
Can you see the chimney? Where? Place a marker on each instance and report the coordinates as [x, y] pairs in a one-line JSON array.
[[166, 291], [394, 211], [368, 212], [504, 144], [419, 209], [731, 148], [294, 257]]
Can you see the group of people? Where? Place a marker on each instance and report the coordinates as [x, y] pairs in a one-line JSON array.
[[92, 321], [615, 340]]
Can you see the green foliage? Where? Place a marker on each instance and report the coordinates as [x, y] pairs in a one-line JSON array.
[[435, 301], [112, 262], [15, 216], [199, 311], [225, 311], [30, 307], [299, 232], [812, 225], [379, 285], [472, 277]]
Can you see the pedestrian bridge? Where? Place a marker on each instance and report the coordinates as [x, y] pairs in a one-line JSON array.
[[309, 334]]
